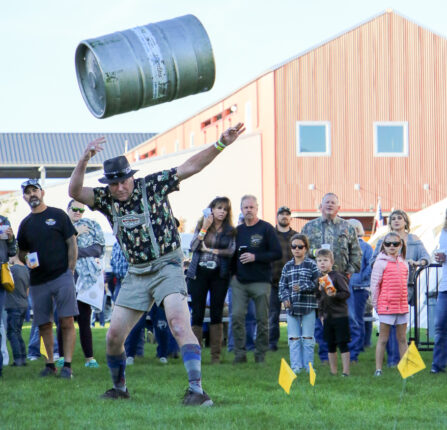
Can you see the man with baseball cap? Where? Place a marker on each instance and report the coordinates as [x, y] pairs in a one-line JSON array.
[[284, 232], [142, 220], [47, 245]]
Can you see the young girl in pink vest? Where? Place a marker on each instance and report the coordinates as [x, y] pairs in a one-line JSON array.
[[389, 280]]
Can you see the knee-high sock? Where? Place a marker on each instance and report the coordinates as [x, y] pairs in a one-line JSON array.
[[191, 354], [117, 367]]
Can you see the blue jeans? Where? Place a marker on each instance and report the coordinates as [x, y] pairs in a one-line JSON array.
[[250, 325], [356, 323], [14, 333], [166, 344], [274, 312], [134, 344], [322, 344], [440, 349], [2, 303], [392, 348], [301, 327]]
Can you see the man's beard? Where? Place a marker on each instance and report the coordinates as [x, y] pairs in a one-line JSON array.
[[284, 223], [34, 202]]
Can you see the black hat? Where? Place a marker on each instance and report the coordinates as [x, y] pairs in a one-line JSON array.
[[116, 169], [30, 183], [283, 209]]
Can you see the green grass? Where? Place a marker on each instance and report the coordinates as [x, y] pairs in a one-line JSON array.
[[245, 396]]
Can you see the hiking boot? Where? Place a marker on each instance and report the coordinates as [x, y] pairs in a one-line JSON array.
[[114, 393], [66, 373], [240, 359], [92, 363], [48, 371], [192, 398]]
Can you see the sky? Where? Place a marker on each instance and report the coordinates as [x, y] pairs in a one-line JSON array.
[[39, 90]]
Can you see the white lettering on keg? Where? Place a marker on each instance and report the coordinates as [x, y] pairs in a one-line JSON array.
[[131, 221], [158, 67]]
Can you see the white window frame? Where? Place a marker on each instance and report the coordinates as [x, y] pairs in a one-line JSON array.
[[176, 146], [327, 125], [404, 125], [191, 139]]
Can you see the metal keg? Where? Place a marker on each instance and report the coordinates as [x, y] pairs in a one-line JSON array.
[[144, 66]]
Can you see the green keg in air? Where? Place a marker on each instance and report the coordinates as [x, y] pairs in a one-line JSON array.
[[144, 66]]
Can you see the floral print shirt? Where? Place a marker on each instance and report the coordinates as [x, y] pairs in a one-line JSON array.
[[136, 242]]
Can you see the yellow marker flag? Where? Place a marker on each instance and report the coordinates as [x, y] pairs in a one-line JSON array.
[[43, 350], [312, 374], [411, 362], [286, 376]]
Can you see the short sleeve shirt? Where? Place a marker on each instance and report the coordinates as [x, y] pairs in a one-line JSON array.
[[136, 242]]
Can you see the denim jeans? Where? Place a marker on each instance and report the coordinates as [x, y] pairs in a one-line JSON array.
[[274, 312], [134, 343], [166, 344], [322, 344], [2, 303], [250, 325], [14, 333], [440, 349], [301, 349], [356, 323], [392, 348]]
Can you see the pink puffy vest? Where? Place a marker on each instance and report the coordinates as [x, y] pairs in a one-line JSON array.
[[393, 294]]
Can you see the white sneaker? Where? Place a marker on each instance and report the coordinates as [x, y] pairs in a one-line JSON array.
[[163, 360], [378, 372], [130, 361]]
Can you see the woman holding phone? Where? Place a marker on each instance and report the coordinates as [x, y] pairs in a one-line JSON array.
[[213, 245]]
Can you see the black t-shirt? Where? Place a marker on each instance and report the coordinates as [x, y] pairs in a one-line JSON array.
[[46, 233], [261, 240]]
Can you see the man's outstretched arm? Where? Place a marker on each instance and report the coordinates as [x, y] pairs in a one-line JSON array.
[[76, 189], [198, 161]]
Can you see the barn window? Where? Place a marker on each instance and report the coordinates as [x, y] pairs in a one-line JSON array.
[[313, 138], [391, 139]]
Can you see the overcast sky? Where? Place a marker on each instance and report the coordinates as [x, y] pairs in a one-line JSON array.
[[39, 90]]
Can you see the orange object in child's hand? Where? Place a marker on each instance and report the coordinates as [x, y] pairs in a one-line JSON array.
[[326, 284]]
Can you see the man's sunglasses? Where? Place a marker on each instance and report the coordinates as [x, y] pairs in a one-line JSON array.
[[297, 246], [81, 211], [395, 244]]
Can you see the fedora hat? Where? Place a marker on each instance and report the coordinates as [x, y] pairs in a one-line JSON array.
[[116, 169]]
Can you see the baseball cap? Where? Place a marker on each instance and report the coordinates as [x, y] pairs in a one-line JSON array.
[[30, 182], [284, 209]]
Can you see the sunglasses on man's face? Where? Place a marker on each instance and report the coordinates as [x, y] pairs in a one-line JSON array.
[[81, 211], [297, 246], [395, 244]]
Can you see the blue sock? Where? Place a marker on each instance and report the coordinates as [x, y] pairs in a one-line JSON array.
[[117, 367], [191, 355]]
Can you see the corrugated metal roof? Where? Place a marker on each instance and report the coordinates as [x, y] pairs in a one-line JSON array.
[[61, 149]]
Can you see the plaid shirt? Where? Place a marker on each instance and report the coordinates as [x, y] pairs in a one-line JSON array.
[[118, 262], [306, 276]]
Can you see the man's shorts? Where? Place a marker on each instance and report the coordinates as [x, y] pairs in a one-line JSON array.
[[163, 277], [62, 290], [393, 319]]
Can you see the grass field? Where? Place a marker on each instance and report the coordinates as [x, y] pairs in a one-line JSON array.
[[246, 396]]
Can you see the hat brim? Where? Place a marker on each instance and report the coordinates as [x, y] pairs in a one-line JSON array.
[[106, 180], [31, 185]]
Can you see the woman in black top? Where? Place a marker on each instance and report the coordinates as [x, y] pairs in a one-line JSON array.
[[213, 245]]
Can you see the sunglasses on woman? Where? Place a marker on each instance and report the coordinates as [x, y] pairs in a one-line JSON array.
[[297, 246], [395, 244], [81, 211]]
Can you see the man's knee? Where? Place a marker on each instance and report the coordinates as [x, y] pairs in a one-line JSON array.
[[46, 327], [66, 323]]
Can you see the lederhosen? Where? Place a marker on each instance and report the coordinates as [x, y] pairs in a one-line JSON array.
[[134, 220]]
